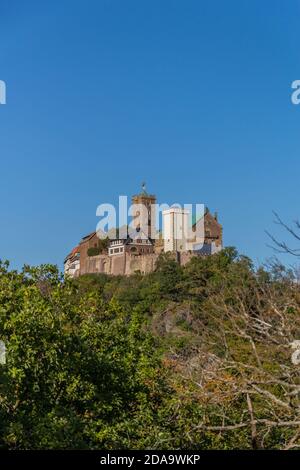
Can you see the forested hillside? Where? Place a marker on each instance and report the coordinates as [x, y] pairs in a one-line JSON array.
[[198, 357]]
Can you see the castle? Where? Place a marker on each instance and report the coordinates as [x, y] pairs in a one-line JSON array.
[[133, 249]]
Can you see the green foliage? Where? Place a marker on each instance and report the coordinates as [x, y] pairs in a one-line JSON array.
[[76, 366], [154, 361], [93, 251], [102, 246]]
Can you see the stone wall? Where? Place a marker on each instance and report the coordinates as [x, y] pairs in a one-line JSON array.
[[124, 264], [127, 264], [95, 264], [185, 257], [144, 263]]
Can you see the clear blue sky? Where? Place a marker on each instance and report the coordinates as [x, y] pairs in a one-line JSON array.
[[192, 96]]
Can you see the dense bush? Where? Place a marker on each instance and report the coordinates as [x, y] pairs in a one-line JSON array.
[[185, 357], [102, 246], [93, 251]]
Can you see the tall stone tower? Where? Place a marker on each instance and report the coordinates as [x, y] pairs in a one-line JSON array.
[[147, 218], [175, 229]]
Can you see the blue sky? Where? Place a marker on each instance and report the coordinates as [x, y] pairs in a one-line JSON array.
[[191, 96]]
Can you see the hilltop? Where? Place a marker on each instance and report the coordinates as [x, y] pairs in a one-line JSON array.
[[195, 356]]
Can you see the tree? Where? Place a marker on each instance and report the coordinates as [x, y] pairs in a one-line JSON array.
[[78, 369], [243, 373], [293, 231], [201, 356]]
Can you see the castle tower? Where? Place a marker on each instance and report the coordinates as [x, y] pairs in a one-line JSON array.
[[148, 216], [175, 229]]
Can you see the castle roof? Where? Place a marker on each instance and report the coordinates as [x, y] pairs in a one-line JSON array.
[[74, 252], [87, 237]]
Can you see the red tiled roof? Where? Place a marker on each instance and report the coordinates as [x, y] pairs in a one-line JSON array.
[[72, 253]]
